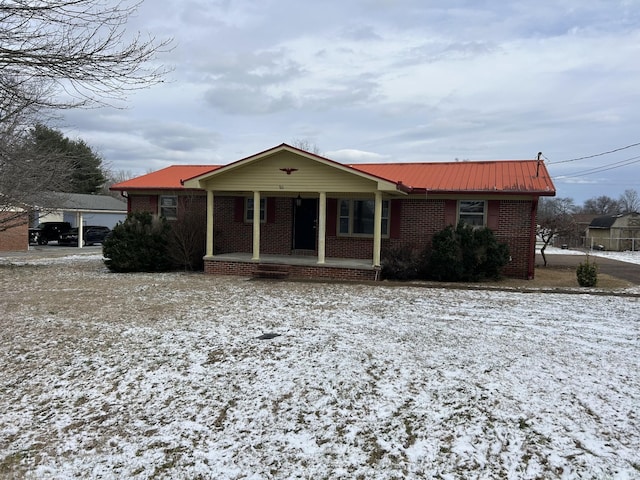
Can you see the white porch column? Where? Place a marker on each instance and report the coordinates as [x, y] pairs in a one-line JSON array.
[[209, 251], [80, 229], [322, 226], [256, 226], [377, 229]]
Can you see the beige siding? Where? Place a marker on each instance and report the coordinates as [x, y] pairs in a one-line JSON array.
[[266, 175]]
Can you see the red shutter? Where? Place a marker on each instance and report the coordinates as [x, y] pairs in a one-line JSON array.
[[493, 212], [239, 210], [271, 209], [450, 211], [332, 216], [154, 201], [395, 212]]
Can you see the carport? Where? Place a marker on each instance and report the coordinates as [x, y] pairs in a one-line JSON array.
[[82, 210]]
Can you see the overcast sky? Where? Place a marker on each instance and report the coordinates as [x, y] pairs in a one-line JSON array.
[[388, 81]]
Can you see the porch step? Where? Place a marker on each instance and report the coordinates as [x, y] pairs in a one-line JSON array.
[[271, 270]]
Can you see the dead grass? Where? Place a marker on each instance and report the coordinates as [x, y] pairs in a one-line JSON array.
[[562, 277], [546, 279]]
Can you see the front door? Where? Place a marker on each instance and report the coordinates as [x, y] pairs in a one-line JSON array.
[[305, 219]]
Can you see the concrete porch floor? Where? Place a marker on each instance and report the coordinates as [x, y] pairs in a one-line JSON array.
[[304, 260]]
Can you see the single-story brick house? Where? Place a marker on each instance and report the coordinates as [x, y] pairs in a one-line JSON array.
[[327, 219]]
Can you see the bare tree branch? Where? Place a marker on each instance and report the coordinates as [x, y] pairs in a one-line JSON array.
[[55, 55], [629, 201], [78, 47]]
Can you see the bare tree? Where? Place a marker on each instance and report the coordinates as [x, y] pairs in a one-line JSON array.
[[602, 205], [187, 242], [113, 177], [306, 145], [77, 48], [555, 218], [60, 54], [629, 201]]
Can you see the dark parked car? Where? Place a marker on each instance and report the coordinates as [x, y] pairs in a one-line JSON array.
[[47, 232], [90, 235]]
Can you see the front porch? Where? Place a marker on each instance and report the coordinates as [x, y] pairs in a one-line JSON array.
[[298, 266], [285, 200]]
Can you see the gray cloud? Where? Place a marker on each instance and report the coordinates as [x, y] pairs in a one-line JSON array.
[[404, 80], [361, 33], [246, 100]]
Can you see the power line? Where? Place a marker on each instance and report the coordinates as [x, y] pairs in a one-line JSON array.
[[595, 155], [603, 168]]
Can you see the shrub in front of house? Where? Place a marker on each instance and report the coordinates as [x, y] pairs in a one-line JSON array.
[[587, 273], [464, 254], [187, 240], [402, 263], [139, 244]]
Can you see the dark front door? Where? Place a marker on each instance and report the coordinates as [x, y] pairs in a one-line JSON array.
[[305, 217]]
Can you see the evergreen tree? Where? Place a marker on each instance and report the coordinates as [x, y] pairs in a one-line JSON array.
[[86, 173]]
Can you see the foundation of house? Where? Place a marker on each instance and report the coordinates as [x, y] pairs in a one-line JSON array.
[[298, 266]]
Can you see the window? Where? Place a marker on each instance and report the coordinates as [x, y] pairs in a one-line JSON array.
[[472, 212], [169, 207], [248, 210], [355, 217]]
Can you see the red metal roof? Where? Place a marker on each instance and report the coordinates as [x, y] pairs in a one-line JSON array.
[[506, 176], [168, 178]]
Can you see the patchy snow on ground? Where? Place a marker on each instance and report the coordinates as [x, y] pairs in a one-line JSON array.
[[163, 376]]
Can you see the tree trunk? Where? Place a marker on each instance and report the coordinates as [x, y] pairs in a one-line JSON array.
[[544, 257]]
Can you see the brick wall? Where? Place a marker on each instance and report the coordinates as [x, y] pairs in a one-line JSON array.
[[143, 203], [247, 269], [420, 219], [514, 229], [233, 234], [15, 239]]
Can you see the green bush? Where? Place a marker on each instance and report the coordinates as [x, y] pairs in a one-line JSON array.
[[587, 273], [139, 244], [464, 254]]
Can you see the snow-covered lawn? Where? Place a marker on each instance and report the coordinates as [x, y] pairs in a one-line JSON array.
[[163, 376]]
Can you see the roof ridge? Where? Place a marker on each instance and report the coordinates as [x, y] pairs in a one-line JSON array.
[[447, 162]]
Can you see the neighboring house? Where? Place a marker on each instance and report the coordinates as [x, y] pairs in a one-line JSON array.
[[327, 219], [74, 208], [614, 232], [80, 208]]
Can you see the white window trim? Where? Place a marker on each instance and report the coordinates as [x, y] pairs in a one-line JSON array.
[[485, 206], [163, 208], [263, 210], [351, 218]]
